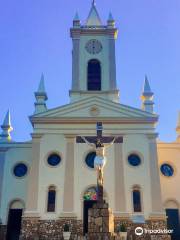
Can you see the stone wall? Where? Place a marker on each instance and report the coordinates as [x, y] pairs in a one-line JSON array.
[[149, 225], [33, 229], [49, 229]]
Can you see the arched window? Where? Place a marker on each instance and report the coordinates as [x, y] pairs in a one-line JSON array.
[[94, 75], [51, 199], [137, 200]]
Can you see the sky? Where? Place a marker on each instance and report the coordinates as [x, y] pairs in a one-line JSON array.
[[34, 38]]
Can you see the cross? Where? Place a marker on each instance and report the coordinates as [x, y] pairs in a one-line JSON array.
[[99, 143], [104, 139]]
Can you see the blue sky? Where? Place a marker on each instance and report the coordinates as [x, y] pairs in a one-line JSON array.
[[34, 38]]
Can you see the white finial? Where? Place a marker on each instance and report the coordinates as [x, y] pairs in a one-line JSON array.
[[41, 97], [110, 21], [76, 21], [147, 97], [110, 18], [76, 17], [94, 2], [7, 128]]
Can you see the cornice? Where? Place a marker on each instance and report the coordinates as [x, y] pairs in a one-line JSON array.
[[81, 120], [83, 30]]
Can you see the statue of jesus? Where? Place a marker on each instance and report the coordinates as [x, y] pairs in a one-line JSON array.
[[99, 162]]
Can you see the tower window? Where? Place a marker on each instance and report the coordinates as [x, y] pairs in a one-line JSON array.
[[137, 200], [51, 199], [94, 75]]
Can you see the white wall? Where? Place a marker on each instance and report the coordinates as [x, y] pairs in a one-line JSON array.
[[13, 187]]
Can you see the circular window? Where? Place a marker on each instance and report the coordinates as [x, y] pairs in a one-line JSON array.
[[167, 170], [134, 160], [20, 170], [90, 159], [53, 160]]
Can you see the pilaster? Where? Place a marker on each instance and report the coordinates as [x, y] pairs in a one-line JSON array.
[[2, 164], [68, 201], [120, 199], [75, 63], [33, 184], [154, 177], [112, 64]]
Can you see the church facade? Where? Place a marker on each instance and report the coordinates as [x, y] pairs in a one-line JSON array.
[[50, 181]]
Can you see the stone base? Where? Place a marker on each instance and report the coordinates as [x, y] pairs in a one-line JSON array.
[[100, 219], [101, 236], [3, 229]]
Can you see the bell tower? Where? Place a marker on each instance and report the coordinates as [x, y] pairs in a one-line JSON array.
[[93, 58]]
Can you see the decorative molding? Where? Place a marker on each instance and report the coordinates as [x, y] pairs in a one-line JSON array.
[[68, 215]]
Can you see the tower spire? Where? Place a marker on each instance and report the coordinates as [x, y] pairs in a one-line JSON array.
[[6, 128], [147, 97], [76, 21], [93, 17], [41, 97], [110, 21]]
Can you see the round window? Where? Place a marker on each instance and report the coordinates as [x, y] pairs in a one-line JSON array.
[[20, 170], [53, 160], [167, 170], [90, 159], [134, 160]]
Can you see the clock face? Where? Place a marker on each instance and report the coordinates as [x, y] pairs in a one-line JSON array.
[[93, 46]]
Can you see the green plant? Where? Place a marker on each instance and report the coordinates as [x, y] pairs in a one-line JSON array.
[[66, 228], [123, 228]]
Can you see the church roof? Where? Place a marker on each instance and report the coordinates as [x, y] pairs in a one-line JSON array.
[[93, 17], [93, 109]]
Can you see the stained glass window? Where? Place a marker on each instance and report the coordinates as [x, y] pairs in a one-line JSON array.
[[53, 160], [137, 200], [91, 194], [90, 159], [51, 199], [167, 170], [20, 170], [134, 160]]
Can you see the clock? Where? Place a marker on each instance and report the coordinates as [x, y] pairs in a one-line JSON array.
[[93, 46]]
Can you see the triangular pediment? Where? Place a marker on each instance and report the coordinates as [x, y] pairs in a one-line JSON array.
[[96, 108], [93, 18]]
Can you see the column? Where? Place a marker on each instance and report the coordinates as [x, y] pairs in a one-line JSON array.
[[33, 182], [120, 198], [68, 203]]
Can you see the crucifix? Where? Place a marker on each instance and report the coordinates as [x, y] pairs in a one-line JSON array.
[[99, 143]]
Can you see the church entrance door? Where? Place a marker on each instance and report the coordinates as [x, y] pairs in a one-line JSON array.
[[87, 205], [173, 222], [14, 224]]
